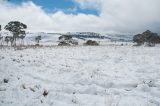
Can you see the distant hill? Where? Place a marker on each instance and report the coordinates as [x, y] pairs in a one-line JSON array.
[[52, 37], [86, 35], [123, 38]]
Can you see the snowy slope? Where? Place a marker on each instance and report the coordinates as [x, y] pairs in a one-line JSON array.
[[80, 76], [52, 39]]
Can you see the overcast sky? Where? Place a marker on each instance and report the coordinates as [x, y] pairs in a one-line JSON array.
[[109, 16]]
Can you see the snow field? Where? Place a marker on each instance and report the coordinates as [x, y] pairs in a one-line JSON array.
[[80, 76]]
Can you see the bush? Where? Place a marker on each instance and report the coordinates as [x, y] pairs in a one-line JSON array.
[[92, 43]]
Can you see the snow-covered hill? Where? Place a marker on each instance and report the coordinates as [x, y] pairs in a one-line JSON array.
[[119, 37], [81, 37]]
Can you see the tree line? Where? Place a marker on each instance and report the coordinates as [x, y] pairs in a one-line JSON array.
[[17, 30]]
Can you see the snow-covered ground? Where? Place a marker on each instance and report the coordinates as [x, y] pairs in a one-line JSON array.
[[80, 76]]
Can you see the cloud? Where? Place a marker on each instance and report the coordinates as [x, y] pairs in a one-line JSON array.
[[125, 16]]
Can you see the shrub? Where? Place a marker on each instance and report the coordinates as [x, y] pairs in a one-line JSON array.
[[92, 43]]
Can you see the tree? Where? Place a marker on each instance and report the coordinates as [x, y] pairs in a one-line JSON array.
[[37, 39], [16, 28], [1, 37], [0, 30], [9, 39], [65, 37], [66, 40], [146, 36], [22, 36], [138, 39]]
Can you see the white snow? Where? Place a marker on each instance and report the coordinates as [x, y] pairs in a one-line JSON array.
[[107, 75]]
